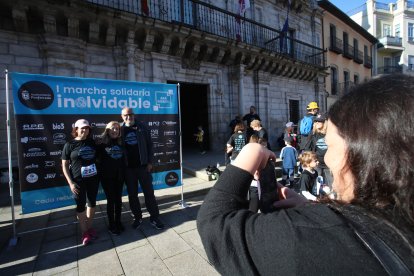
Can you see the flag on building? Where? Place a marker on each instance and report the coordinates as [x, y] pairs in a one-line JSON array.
[[144, 7], [284, 31], [243, 6]]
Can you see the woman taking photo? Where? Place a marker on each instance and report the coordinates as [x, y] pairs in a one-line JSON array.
[[79, 168], [367, 230], [112, 174]]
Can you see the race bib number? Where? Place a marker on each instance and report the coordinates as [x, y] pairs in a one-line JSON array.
[[88, 171]]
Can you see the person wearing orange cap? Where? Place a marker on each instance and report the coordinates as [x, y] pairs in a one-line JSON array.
[[306, 124]]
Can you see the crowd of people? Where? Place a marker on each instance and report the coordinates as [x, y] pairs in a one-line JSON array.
[[365, 228], [122, 154]]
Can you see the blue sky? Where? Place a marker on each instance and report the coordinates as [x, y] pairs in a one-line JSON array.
[[347, 5]]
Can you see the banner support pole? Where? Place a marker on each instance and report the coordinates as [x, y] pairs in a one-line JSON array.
[[182, 202], [13, 240]]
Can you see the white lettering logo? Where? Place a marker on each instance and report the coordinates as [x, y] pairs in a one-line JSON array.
[[33, 127], [31, 166], [55, 153], [50, 176], [58, 126]]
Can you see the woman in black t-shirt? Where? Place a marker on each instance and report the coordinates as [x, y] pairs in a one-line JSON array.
[[79, 168], [111, 171]]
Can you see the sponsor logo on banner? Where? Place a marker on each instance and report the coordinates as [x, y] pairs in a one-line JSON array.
[[58, 126], [170, 143], [98, 125], [170, 133], [154, 133], [32, 178], [49, 163], [172, 161], [155, 123], [26, 139], [50, 176], [33, 127], [171, 152], [55, 153], [169, 123], [35, 95], [31, 166], [158, 154], [157, 145], [34, 152], [171, 179], [59, 138]]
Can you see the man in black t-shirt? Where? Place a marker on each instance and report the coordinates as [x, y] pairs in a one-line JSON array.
[[138, 152]]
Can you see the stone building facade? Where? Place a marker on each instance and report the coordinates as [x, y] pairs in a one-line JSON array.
[[224, 61]]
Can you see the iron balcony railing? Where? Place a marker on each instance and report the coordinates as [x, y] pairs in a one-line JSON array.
[[213, 20], [336, 45], [389, 69], [367, 61], [348, 51], [358, 56]]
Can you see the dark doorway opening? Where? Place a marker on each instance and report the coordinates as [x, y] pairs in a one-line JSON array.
[[194, 112]]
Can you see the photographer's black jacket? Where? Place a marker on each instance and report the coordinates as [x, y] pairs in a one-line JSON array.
[[307, 240]]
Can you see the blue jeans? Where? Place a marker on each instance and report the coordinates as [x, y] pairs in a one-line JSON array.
[[288, 173]]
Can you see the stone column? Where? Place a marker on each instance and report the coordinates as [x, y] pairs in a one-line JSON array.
[[130, 54], [241, 89]]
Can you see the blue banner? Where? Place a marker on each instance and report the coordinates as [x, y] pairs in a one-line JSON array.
[[47, 106]]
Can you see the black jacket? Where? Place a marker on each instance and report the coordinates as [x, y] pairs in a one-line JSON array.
[[144, 143], [306, 240]]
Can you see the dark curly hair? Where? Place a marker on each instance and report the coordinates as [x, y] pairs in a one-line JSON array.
[[376, 120]]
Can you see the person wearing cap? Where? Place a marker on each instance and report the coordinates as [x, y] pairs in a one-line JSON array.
[[79, 168], [289, 132], [312, 109], [137, 144], [318, 145]]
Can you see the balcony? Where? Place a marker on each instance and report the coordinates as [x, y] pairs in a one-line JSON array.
[[388, 41], [389, 70], [218, 26], [348, 51], [367, 61], [358, 56], [336, 45]]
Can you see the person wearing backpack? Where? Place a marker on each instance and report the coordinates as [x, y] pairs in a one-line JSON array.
[[305, 126]]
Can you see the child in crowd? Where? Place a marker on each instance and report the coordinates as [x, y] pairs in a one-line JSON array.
[[236, 141], [289, 156], [309, 162], [200, 139]]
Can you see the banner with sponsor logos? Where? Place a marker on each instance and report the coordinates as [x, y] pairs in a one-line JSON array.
[[46, 108]]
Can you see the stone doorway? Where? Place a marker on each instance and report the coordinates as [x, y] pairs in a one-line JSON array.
[[194, 112]]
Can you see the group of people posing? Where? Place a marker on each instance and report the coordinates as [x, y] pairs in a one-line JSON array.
[[121, 154]]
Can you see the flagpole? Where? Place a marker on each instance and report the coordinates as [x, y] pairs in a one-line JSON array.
[[13, 240], [182, 202]]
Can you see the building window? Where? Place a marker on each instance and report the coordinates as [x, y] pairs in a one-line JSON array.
[[356, 79], [386, 30], [345, 38], [346, 82], [410, 31], [334, 81], [397, 30], [294, 111], [332, 32], [355, 47], [411, 63]]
